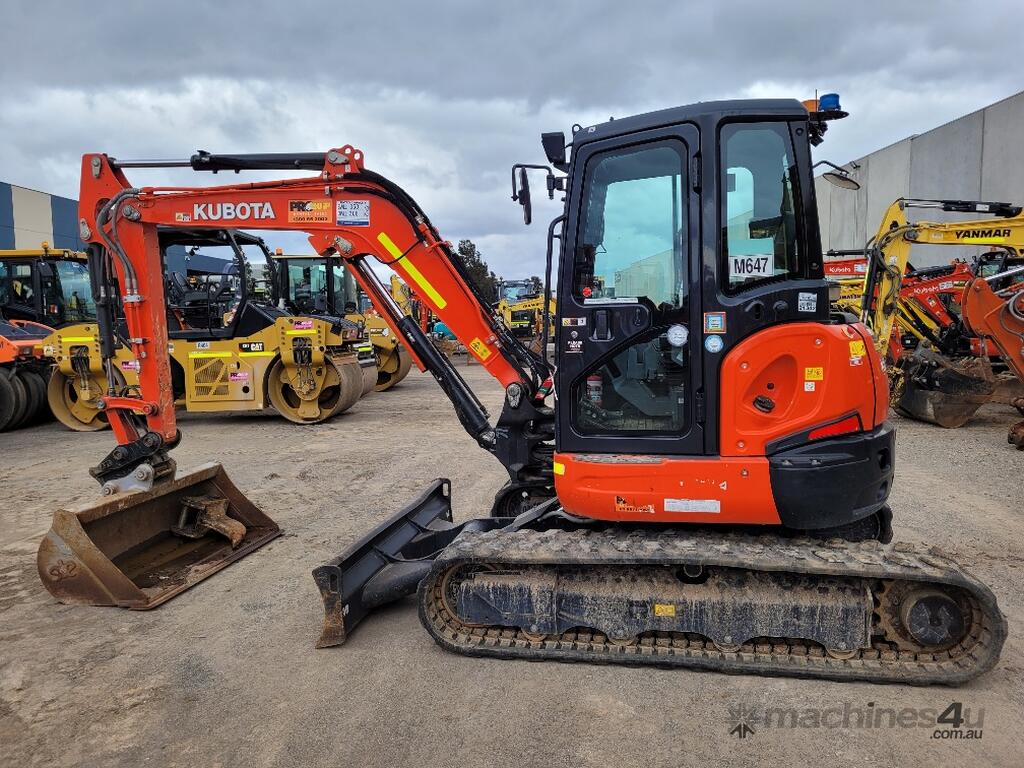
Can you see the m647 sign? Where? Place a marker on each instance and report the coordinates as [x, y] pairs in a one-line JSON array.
[[746, 267]]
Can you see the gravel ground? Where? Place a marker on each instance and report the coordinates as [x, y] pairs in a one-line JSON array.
[[226, 674]]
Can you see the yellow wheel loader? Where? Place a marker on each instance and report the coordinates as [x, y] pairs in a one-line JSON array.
[[227, 353], [301, 284]]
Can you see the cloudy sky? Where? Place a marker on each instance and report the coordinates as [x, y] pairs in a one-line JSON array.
[[444, 96]]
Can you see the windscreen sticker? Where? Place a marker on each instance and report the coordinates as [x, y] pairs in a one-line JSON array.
[[309, 211], [814, 374], [705, 506], [807, 302], [714, 322], [758, 265], [353, 213]]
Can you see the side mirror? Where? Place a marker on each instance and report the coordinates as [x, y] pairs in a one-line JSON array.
[[523, 196]]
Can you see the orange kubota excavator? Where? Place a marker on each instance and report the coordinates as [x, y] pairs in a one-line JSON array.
[[709, 489]]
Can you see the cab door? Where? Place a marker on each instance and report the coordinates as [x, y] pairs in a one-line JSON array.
[[628, 377]]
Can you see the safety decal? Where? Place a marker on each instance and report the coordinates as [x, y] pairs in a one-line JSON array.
[[713, 344], [353, 213], [623, 507], [183, 218], [480, 349], [574, 346], [664, 609], [857, 352], [814, 374], [714, 322], [568, 322], [309, 211], [806, 302], [239, 376], [809, 386], [48, 351], [707, 506]]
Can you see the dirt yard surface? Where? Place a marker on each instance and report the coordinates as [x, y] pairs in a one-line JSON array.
[[226, 674]]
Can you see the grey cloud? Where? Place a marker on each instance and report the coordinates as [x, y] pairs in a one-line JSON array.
[[444, 96]]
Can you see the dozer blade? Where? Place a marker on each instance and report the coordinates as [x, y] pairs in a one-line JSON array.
[[388, 563], [942, 394], [138, 550]]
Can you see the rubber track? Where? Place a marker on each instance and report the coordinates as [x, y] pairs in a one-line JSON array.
[[976, 654]]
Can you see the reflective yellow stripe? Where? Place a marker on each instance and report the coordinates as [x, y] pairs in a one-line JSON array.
[[414, 273], [72, 339], [559, 468], [256, 354], [209, 354], [301, 333]]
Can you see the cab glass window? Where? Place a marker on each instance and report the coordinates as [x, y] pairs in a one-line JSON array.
[[757, 207], [634, 227]]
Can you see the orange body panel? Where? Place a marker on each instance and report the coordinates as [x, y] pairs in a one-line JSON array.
[[781, 363], [814, 374], [663, 489], [989, 316]]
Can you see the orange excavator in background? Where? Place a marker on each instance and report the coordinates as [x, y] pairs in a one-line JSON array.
[[709, 489]]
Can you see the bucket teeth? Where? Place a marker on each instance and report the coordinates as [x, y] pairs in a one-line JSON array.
[[202, 514]]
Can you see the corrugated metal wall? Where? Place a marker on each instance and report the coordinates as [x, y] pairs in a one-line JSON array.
[[977, 157], [28, 217]]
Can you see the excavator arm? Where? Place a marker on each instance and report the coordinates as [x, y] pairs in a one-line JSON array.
[[926, 385], [343, 209]]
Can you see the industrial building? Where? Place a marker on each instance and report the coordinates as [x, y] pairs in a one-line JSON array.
[[975, 157]]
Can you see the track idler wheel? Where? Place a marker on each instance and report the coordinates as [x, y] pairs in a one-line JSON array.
[[392, 366], [300, 401], [76, 403]]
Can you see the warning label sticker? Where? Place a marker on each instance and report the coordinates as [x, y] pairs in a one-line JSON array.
[[623, 507], [857, 349], [480, 349], [814, 374]]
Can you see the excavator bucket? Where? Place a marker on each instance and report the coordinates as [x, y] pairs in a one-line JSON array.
[[137, 550], [939, 392]]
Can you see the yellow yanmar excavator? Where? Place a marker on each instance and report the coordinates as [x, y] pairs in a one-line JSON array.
[[707, 491], [939, 380]]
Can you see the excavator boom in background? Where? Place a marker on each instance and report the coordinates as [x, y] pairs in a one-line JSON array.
[[937, 381], [709, 489]]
